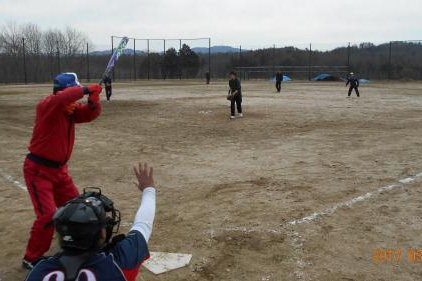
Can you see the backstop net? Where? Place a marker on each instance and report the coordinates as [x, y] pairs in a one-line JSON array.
[[163, 58]]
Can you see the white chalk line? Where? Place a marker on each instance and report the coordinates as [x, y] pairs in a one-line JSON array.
[[326, 212], [17, 183], [351, 202], [297, 241], [9, 178], [307, 219]]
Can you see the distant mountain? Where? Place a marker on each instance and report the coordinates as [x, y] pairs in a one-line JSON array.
[[100, 53], [198, 50], [216, 50]]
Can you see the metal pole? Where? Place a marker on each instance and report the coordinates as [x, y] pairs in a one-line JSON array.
[[112, 50], [273, 60], [389, 61], [240, 61], [180, 63], [310, 62], [87, 63], [24, 61], [58, 58], [164, 56], [50, 62], [348, 58], [148, 58], [209, 56], [134, 59]]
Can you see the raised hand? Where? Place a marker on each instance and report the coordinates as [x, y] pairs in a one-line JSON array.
[[144, 175]]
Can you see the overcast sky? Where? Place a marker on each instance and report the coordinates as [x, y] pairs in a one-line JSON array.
[[250, 23]]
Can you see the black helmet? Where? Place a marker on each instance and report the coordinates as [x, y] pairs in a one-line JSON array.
[[79, 221]]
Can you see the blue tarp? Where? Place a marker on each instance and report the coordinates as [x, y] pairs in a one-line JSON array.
[[325, 77], [285, 79]]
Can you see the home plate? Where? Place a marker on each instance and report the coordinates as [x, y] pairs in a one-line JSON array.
[[160, 262]]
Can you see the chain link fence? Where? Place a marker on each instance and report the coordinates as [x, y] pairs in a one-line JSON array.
[[395, 60], [193, 58]]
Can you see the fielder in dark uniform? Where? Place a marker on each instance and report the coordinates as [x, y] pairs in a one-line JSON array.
[[85, 226], [278, 79], [208, 77], [354, 84], [107, 83], [235, 95]]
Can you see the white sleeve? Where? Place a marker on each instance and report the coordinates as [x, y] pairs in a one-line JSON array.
[[144, 218]]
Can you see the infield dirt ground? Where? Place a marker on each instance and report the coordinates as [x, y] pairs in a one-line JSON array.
[[227, 190]]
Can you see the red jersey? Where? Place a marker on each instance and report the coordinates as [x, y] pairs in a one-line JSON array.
[[54, 131]]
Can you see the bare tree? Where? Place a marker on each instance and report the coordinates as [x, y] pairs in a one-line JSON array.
[[74, 41], [11, 38], [33, 38], [49, 41]]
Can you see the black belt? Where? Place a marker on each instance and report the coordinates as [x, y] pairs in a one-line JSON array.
[[43, 161]]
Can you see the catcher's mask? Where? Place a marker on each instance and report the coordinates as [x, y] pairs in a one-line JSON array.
[[79, 221]]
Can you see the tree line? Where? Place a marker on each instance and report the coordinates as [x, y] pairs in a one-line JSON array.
[[29, 54], [28, 47], [393, 60]]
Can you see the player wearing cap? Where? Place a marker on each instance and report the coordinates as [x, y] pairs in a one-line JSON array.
[[235, 95], [354, 84], [208, 77], [107, 82], [278, 79], [45, 167], [85, 226]]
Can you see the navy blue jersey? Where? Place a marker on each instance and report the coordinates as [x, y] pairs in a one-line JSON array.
[[354, 82], [107, 82], [120, 264], [234, 85], [279, 77]]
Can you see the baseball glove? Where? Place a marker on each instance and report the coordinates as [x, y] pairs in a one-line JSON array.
[[229, 95]]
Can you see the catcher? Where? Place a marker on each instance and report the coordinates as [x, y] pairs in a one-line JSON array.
[[85, 226], [235, 95], [45, 167]]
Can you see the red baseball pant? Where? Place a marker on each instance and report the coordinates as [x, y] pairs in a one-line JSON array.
[[49, 188]]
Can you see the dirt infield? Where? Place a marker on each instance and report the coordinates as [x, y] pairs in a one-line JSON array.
[[228, 191]]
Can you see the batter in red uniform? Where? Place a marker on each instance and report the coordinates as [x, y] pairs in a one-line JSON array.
[[45, 167]]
